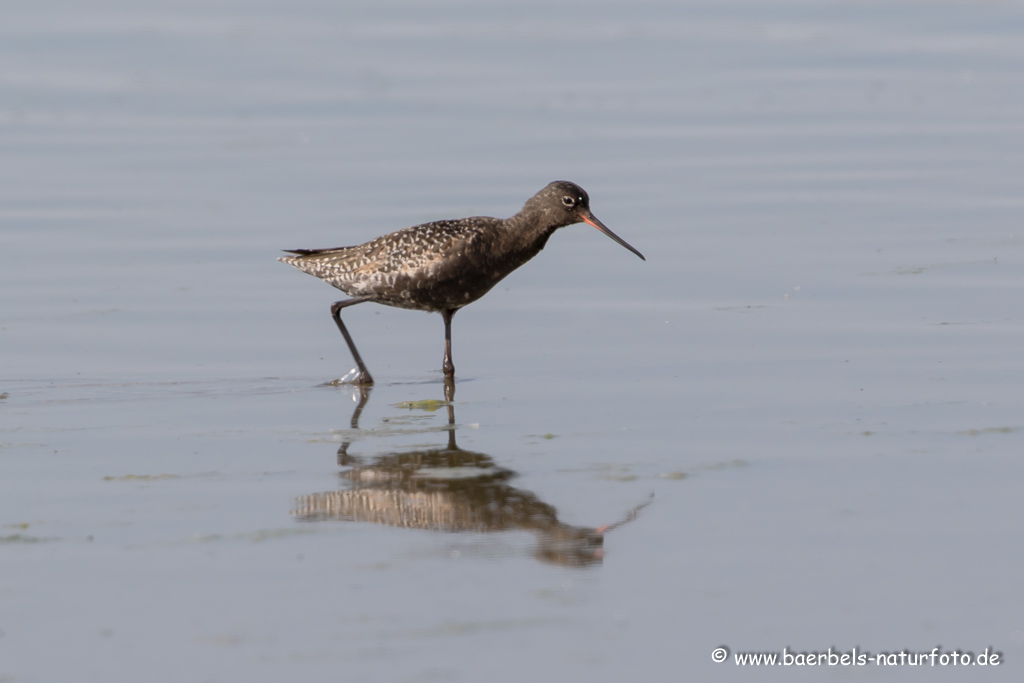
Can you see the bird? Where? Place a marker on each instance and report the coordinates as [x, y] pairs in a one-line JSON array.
[[443, 266]]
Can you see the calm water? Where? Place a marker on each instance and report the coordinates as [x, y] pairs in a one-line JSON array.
[[798, 424]]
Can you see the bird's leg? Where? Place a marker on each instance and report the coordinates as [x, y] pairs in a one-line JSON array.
[[363, 376], [449, 367], [449, 398]]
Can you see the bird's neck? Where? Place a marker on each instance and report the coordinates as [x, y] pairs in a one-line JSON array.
[[527, 232]]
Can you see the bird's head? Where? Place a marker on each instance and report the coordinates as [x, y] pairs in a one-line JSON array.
[[564, 203]]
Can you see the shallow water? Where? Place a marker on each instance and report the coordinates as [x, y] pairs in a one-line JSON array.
[[816, 374]]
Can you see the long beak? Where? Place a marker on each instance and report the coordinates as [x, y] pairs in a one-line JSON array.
[[590, 219]]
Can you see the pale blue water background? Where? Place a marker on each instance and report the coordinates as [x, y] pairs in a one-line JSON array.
[[817, 372]]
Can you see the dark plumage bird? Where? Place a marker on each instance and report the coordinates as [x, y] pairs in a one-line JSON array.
[[445, 265]]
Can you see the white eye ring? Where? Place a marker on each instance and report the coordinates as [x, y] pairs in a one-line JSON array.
[[568, 201]]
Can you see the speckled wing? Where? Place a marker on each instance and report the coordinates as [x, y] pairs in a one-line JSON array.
[[373, 269]]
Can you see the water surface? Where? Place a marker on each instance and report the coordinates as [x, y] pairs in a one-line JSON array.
[[816, 373]]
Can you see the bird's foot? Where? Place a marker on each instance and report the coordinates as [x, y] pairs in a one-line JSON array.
[[355, 376]]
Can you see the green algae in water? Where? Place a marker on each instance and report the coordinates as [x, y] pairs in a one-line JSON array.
[[429, 404], [22, 538], [989, 430], [142, 477]]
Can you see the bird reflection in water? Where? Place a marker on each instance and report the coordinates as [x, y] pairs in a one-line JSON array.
[[450, 489]]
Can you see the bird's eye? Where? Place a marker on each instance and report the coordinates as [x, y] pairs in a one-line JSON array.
[[568, 201]]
